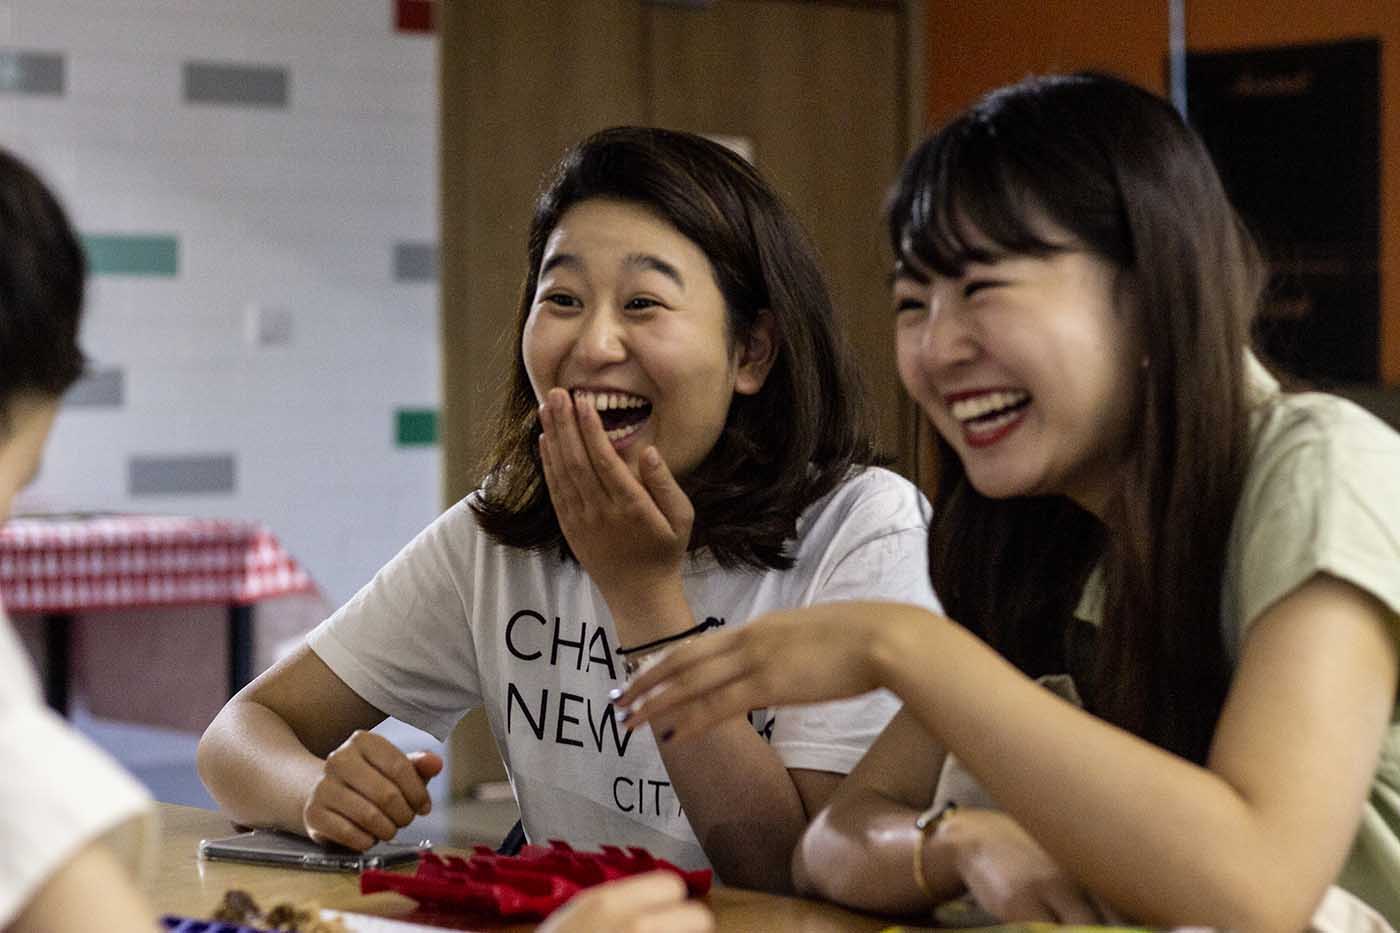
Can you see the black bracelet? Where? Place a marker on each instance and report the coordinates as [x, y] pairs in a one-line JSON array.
[[705, 626]]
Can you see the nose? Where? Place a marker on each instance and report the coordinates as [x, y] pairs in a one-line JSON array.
[[948, 338], [602, 338]]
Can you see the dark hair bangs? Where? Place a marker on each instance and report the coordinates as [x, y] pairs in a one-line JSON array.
[[963, 198]]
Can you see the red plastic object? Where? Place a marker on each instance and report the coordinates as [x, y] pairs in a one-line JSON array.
[[525, 886]]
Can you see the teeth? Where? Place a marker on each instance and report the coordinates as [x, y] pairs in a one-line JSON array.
[[605, 401], [992, 424], [968, 409], [617, 434]]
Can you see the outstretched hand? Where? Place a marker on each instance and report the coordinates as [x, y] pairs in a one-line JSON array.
[[628, 531], [825, 652]]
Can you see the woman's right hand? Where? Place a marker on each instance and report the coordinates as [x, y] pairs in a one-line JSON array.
[[1009, 874], [368, 790]]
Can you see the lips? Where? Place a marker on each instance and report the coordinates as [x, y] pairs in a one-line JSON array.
[[989, 415]]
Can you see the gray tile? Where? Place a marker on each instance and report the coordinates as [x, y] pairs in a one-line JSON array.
[[415, 262], [103, 388], [189, 475], [31, 72], [241, 85]]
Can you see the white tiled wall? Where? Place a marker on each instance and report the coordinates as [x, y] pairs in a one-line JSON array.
[[296, 209]]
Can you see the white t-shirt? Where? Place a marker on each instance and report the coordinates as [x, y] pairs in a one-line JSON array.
[[58, 793], [456, 622]]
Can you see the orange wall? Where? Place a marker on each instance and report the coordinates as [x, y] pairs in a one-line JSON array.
[[973, 47]]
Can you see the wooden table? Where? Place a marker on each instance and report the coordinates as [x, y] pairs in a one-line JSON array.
[[186, 886]]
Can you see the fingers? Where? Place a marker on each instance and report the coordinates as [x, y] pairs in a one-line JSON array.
[[369, 790], [686, 917], [666, 492], [582, 449], [684, 717], [674, 663], [328, 827], [611, 470], [563, 430], [685, 696], [428, 764], [650, 903], [568, 499], [1058, 902], [653, 889]]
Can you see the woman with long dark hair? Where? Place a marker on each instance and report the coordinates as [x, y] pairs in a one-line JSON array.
[[1128, 511]]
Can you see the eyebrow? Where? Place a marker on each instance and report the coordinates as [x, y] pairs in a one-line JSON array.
[[561, 259], [631, 261], [655, 264]]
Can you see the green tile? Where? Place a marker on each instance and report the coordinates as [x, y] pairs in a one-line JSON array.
[[417, 427], [116, 254]]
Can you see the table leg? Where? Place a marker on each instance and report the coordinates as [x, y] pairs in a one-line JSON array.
[[58, 650], [240, 647]]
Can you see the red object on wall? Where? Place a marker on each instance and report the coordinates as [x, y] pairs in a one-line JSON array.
[[413, 15]]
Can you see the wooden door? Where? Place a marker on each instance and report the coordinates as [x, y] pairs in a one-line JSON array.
[[819, 90]]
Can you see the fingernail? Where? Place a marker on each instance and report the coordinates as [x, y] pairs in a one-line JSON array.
[[615, 694], [666, 736]]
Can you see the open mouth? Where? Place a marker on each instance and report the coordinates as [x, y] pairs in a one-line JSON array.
[[987, 416], [622, 413]]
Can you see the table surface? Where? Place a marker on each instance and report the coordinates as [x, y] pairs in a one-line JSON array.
[[187, 886]]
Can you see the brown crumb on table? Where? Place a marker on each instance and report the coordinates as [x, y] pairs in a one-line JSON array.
[[239, 907]]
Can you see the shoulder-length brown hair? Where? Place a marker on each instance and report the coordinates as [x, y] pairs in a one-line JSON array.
[[780, 449], [1118, 169]]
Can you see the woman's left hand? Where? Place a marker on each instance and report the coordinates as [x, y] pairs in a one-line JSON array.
[[1010, 875], [628, 533], [825, 652]]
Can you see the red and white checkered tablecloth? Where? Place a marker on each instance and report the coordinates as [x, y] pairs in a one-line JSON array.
[[70, 564]]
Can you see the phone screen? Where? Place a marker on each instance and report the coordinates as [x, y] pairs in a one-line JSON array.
[[274, 847]]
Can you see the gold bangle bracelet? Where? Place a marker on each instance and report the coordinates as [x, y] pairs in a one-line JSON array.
[[927, 824]]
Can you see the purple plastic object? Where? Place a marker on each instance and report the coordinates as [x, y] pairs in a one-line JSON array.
[[190, 925]]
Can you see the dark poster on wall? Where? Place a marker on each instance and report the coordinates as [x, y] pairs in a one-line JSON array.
[[1295, 132]]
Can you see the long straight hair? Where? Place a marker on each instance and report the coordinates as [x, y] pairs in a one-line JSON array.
[[1116, 168], [782, 448]]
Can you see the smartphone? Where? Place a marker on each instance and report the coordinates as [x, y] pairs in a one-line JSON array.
[[274, 847]]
